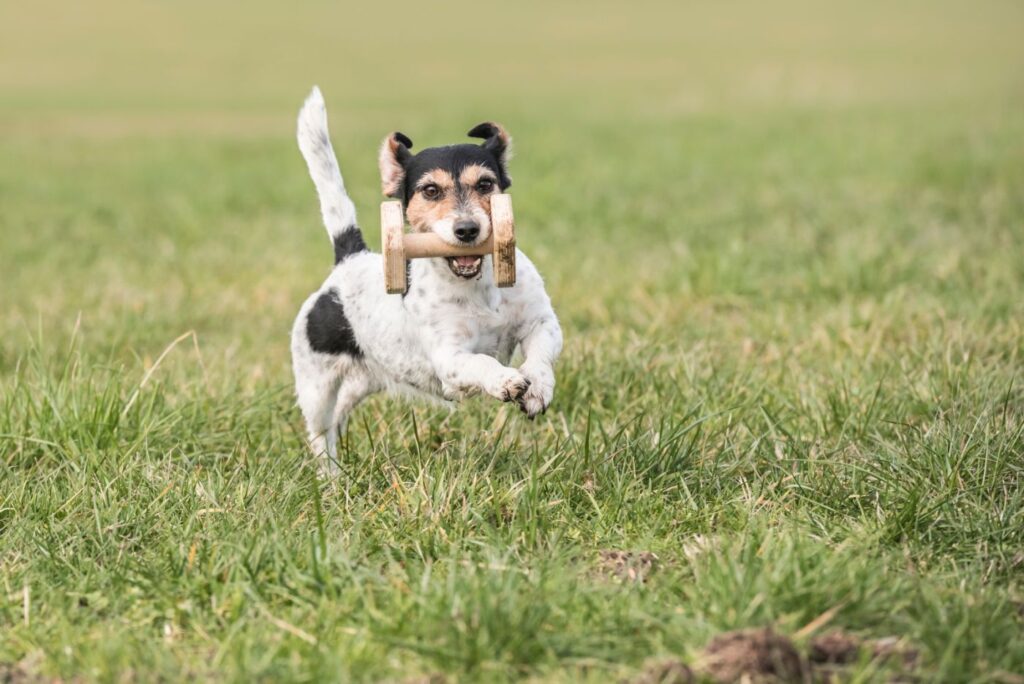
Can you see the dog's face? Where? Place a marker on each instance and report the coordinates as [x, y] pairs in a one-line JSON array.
[[447, 190]]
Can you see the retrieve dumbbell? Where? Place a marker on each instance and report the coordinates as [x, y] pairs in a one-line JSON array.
[[399, 246]]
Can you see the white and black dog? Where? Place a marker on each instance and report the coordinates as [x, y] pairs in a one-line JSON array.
[[453, 333]]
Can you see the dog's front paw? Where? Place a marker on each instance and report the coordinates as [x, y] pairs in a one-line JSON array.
[[538, 395], [511, 385]]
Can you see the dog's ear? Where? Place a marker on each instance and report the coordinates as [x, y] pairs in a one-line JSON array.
[[394, 155], [498, 142]]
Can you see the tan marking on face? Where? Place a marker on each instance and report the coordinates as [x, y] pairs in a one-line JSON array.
[[422, 213], [470, 176], [473, 173]]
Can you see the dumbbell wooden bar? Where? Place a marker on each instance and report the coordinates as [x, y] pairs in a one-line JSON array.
[[400, 246]]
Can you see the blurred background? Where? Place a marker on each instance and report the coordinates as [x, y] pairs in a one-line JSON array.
[[673, 158]]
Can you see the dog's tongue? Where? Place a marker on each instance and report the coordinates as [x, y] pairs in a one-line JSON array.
[[466, 261]]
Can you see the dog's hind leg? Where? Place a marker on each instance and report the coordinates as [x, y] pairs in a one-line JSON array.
[[355, 387], [317, 393], [327, 390], [325, 360]]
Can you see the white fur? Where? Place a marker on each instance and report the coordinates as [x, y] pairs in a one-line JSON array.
[[447, 338]]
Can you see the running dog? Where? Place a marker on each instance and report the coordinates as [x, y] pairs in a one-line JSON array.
[[454, 332]]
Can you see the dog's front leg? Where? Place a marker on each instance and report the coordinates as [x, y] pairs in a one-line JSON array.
[[540, 346], [463, 372]]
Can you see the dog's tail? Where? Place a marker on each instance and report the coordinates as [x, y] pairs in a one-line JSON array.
[[338, 211]]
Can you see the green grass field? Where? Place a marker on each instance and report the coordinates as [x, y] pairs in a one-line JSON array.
[[786, 245]]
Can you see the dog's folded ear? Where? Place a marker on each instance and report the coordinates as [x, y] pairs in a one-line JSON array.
[[394, 155], [498, 142]]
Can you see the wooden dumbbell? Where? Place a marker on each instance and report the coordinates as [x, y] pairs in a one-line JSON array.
[[400, 246]]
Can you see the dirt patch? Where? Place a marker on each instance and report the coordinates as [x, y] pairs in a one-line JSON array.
[[629, 566], [835, 648], [757, 655], [762, 655], [670, 671], [841, 648]]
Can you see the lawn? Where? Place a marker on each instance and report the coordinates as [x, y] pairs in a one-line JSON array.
[[786, 245]]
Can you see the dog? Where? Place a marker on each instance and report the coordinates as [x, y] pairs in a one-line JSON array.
[[454, 332]]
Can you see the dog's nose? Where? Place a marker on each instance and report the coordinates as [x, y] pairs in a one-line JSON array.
[[467, 231]]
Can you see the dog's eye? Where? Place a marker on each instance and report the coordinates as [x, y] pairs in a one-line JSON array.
[[431, 192], [484, 186]]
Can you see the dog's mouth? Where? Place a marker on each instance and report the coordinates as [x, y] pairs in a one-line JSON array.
[[466, 266]]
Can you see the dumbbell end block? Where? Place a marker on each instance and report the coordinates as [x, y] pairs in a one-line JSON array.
[[503, 236], [392, 223]]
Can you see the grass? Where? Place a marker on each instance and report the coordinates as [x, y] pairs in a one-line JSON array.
[[788, 254]]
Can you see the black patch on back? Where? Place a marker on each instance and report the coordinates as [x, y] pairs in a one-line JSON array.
[[348, 242], [453, 159], [328, 330]]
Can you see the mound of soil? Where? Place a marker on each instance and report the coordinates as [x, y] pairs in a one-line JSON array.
[[835, 648], [762, 655], [755, 655]]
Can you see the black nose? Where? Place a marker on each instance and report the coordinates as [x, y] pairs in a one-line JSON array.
[[467, 231]]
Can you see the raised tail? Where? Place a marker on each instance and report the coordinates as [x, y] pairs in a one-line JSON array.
[[338, 211]]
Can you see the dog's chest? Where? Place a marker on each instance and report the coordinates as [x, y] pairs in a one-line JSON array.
[[492, 337], [477, 324], [486, 328]]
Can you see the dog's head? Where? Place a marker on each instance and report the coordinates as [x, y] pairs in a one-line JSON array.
[[447, 190]]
